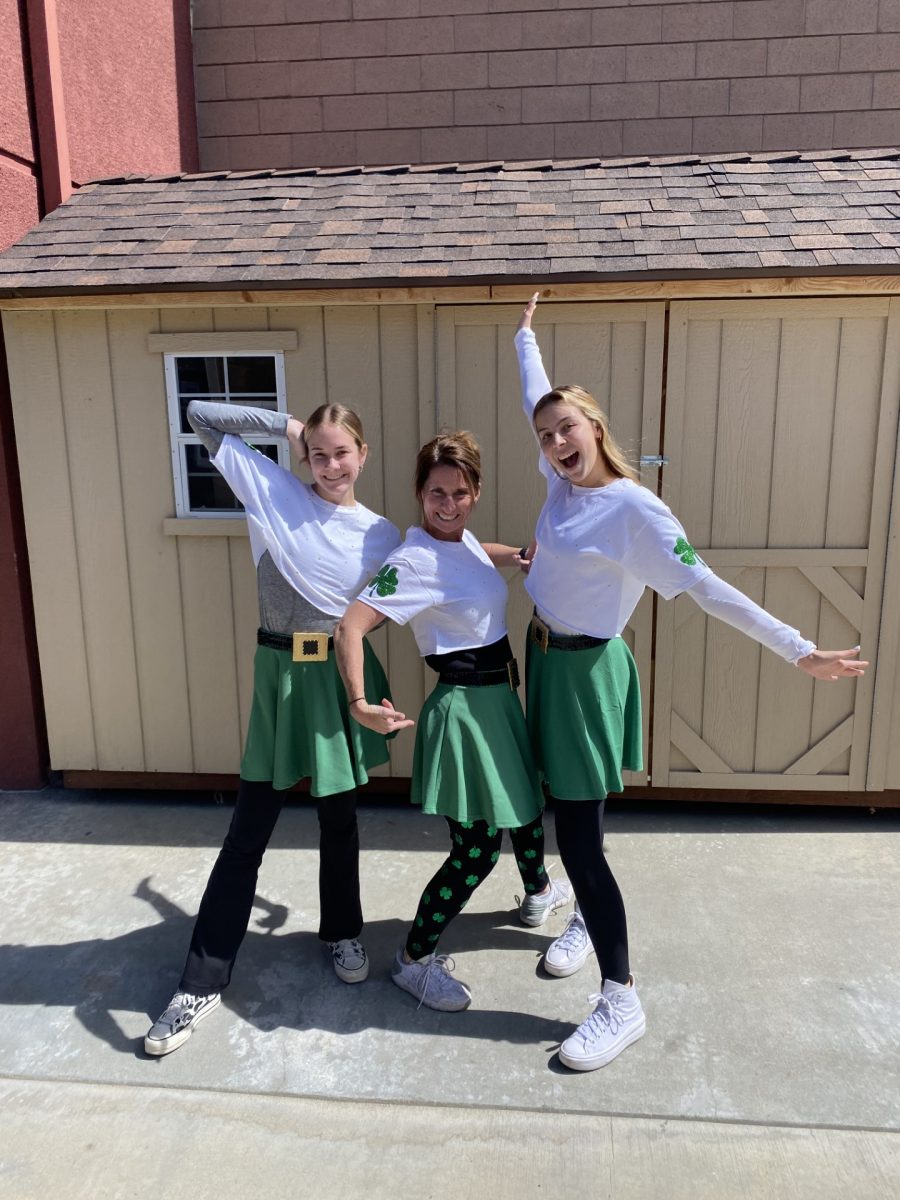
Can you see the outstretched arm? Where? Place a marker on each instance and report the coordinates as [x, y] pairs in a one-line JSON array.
[[357, 621], [721, 600], [510, 556], [535, 383]]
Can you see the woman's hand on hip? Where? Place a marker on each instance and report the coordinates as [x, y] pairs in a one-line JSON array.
[[383, 717]]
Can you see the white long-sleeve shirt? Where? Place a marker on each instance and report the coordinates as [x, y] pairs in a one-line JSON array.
[[599, 548]]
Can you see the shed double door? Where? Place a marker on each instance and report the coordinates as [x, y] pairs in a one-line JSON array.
[[779, 426]]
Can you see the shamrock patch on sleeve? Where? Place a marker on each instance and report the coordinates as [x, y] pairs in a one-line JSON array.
[[385, 582], [686, 552]]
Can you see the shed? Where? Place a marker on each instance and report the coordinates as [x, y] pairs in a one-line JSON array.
[[738, 316]]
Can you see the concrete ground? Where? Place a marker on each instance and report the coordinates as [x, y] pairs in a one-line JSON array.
[[766, 946]]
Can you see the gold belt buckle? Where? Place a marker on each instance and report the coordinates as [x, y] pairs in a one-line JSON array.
[[512, 670], [540, 633], [310, 647]]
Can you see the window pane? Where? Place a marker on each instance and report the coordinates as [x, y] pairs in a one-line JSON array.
[[253, 373], [200, 375], [207, 490]]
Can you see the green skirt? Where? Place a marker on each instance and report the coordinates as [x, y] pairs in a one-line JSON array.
[[300, 725], [472, 760], [584, 716]]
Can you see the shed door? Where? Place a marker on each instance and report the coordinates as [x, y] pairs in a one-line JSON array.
[[780, 428], [614, 350]]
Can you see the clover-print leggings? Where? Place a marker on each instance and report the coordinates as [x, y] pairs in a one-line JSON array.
[[475, 848]]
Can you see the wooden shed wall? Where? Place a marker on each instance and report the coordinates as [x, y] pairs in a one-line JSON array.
[[145, 624]]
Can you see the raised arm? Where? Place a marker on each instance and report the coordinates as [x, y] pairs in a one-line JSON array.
[[357, 621], [721, 600], [535, 383], [211, 420]]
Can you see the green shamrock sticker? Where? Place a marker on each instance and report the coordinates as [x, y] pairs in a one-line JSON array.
[[686, 553], [385, 582]]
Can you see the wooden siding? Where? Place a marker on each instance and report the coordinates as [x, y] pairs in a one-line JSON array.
[[780, 423], [780, 427]]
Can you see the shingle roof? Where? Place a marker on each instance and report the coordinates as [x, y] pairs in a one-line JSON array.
[[802, 213]]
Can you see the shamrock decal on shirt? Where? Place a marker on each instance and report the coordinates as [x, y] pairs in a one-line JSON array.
[[686, 553], [385, 582]]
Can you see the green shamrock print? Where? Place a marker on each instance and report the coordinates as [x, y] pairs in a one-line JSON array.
[[420, 922], [458, 839], [540, 869], [539, 832], [467, 824], [433, 937], [475, 852], [439, 917], [445, 893], [456, 864], [416, 946], [471, 880], [426, 898], [385, 582], [531, 853], [686, 553], [530, 887], [492, 830], [495, 856]]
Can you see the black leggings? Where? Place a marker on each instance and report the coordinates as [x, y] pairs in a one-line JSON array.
[[474, 850], [228, 900], [579, 836]]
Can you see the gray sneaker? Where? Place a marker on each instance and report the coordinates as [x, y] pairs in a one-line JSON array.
[[351, 963], [571, 949], [536, 908], [430, 981], [177, 1023]]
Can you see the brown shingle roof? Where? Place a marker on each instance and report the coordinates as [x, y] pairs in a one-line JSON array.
[[580, 220]]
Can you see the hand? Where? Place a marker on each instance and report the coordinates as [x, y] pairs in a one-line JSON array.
[[528, 313], [383, 717], [524, 561], [833, 664], [297, 440]]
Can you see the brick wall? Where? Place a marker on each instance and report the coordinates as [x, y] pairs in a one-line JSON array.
[[328, 82]]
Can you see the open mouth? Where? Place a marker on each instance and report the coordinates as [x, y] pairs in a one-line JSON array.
[[570, 462]]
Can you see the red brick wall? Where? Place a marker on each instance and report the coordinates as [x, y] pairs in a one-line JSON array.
[[300, 82]]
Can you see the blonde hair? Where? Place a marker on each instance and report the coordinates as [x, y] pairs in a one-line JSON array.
[[610, 451], [458, 449], [336, 414]]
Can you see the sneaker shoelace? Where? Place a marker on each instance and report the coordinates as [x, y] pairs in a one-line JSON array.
[[439, 970], [353, 947], [604, 1018], [573, 935]]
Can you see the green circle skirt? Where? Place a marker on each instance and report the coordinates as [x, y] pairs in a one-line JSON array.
[[584, 716], [300, 726], [472, 759]]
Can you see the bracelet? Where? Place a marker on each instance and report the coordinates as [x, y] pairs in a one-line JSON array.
[[356, 701]]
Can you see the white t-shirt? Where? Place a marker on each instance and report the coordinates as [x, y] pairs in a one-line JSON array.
[[451, 594], [327, 552], [598, 548]]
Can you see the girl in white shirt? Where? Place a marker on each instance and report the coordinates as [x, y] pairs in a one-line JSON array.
[[472, 762], [313, 546], [602, 538]]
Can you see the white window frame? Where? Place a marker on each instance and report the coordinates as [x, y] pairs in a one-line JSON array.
[[180, 439]]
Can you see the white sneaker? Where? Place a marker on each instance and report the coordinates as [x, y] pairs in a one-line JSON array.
[[351, 963], [430, 981], [536, 908], [616, 1022], [571, 949], [177, 1023]]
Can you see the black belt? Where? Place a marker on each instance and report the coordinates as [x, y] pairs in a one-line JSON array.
[[508, 674], [545, 639], [305, 647]]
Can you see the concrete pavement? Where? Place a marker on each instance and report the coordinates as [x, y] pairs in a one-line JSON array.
[[765, 946]]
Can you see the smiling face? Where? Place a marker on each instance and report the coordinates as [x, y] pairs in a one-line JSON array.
[[447, 502], [335, 461], [571, 444]]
